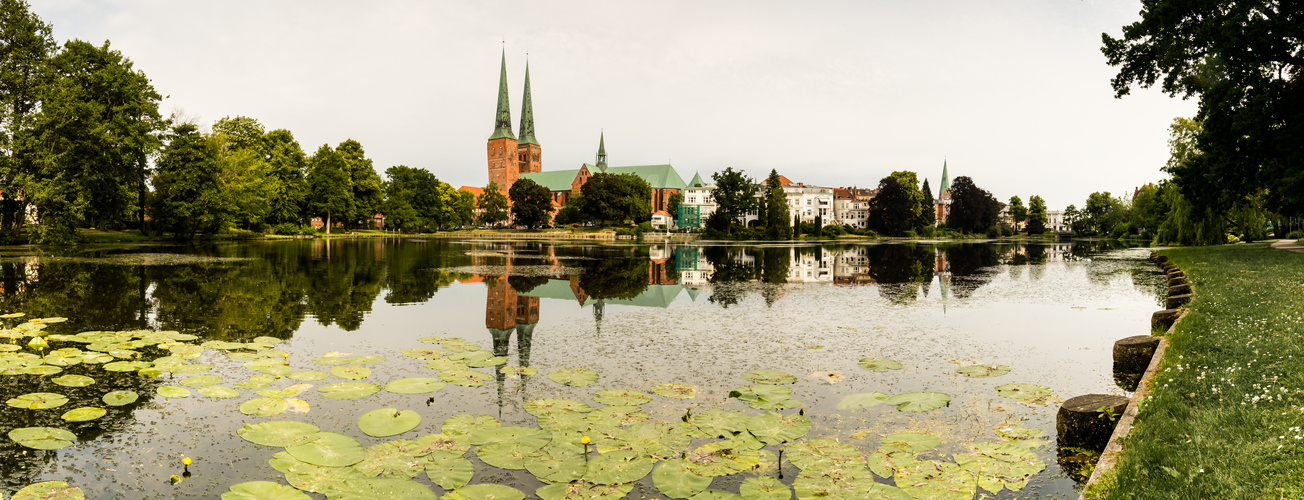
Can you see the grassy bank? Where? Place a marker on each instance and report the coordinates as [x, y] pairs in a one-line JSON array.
[[1226, 415]]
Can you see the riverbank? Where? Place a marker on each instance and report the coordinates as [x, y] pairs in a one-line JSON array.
[[1225, 414]]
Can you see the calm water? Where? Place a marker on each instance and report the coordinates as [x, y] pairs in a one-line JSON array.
[[638, 315]]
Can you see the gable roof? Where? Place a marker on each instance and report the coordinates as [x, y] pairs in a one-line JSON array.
[[697, 180], [555, 180], [659, 176], [475, 191]]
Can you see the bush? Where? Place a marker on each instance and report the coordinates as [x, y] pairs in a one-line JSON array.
[[927, 231], [645, 227], [833, 231], [308, 230], [993, 232], [910, 233], [1295, 235], [285, 229]]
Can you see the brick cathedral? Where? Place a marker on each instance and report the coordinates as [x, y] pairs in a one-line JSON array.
[[509, 156]]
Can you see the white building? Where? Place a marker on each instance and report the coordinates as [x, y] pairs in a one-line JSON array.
[[1055, 221], [851, 206]]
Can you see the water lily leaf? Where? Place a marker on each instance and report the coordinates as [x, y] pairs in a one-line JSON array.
[[564, 421], [513, 372], [653, 440], [580, 490], [189, 369], [276, 370], [328, 449], [469, 357], [1031, 394], [617, 416], [459, 345], [256, 382], [351, 372], [278, 433], [910, 442], [49, 490], [541, 407], [263, 490], [415, 385], [348, 390], [1000, 465], [126, 366], [484, 491], [769, 377], [447, 364], [774, 428], [423, 353], [863, 400], [388, 422], [617, 467], [307, 375], [821, 455], [13, 315], [391, 459], [677, 391], [845, 487], [464, 424], [42, 438], [264, 407], [885, 464], [528, 436], [574, 377], [465, 378], [492, 361], [919, 401], [439, 444], [437, 340], [879, 364], [449, 472], [309, 477], [297, 405], [983, 371], [366, 360], [201, 380], [716, 495], [505, 454], [119, 398], [1018, 433], [73, 380], [940, 480], [38, 401], [42, 370], [764, 488], [382, 488], [330, 360], [83, 414], [556, 468], [721, 458], [673, 479], [765, 396], [621, 397], [719, 423]]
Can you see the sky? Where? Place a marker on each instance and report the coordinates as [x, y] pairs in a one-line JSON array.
[[1014, 94]]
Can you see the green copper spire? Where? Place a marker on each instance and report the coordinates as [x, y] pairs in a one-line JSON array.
[[503, 123], [946, 181], [601, 160], [527, 113], [697, 181]]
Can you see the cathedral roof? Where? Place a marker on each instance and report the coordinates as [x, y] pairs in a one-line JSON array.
[[527, 113], [503, 120]]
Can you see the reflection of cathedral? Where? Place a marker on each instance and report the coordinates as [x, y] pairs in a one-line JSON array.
[[506, 311]]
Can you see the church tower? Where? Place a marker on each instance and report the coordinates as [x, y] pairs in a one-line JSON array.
[[528, 152], [504, 167], [600, 160], [943, 201]]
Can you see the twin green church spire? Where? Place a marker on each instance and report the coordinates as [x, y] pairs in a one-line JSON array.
[[503, 120]]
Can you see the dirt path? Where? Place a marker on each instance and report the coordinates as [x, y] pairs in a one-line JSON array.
[[1288, 245]]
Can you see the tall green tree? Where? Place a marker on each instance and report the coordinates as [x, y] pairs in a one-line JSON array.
[[776, 209], [189, 200], [1036, 214], [672, 204], [610, 198], [973, 209], [287, 177], [1245, 62], [891, 211], [734, 193], [412, 199], [637, 195], [99, 124], [367, 187], [241, 147], [26, 46], [531, 203], [493, 205], [1018, 212], [927, 216], [1100, 214], [329, 186]]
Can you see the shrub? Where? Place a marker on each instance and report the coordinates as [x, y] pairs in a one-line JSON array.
[[285, 229], [993, 232], [910, 233]]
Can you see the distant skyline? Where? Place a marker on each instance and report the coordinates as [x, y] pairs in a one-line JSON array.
[[1014, 94]]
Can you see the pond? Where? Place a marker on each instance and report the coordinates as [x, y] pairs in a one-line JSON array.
[[412, 368]]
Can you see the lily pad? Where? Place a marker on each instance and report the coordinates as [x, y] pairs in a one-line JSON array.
[[621, 397], [484, 492], [217, 391], [574, 377], [545, 406], [328, 449], [415, 385], [307, 375], [879, 364], [464, 424], [263, 490], [910, 442], [391, 459], [506, 454], [465, 378], [256, 382], [617, 416], [278, 433], [201, 380], [677, 391], [919, 401], [674, 480], [42, 438], [487, 362], [83, 414], [73, 380], [983, 371], [764, 488], [383, 487], [348, 390], [264, 407], [556, 468], [1018, 433], [49, 490], [863, 400], [765, 396], [939, 480], [423, 353], [721, 458], [716, 495], [719, 423], [769, 377], [38, 401], [446, 364], [388, 422], [1031, 394], [351, 372], [449, 472], [580, 490], [775, 428], [119, 398], [617, 467]]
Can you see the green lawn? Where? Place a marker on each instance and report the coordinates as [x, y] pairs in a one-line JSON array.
[[1226, 415]]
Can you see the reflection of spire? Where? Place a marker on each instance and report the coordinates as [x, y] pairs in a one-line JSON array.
[[599, 307], [943, 272]]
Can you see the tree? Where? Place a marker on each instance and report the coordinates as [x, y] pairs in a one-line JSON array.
[[1245, 63], [1101, 213], [412, 199], [891, 211], [819, 226], [531, 203], [734, 193], [464, 208], [1018, 212], [188, 195], [973, 209], [329, 187], [672, 204], [927, 216], [1036, 214], [286, 177], [637, 195], [98, 126], [241, 148], [604, 199], [1071, 216], [367, 190], [776, 209], [492, 204], [26, 46]]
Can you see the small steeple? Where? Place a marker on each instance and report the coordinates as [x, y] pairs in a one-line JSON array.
[[697, 180], [946, 180], [503, 122], [527, 112], [601, 160]]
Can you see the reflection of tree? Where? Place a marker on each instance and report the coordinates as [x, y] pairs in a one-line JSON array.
[[523, 284], [730, 276], [775, 264], [342, 288], [615, 277], [412, 272], [971, 266], [899, 270]]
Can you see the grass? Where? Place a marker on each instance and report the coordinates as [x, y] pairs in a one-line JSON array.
[[1225, 416]]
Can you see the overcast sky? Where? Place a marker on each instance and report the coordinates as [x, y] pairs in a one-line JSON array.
[[1014, 94]]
